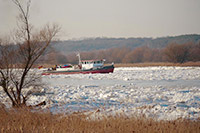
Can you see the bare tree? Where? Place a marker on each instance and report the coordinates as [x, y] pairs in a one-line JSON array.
[[194, 52], [17, 61], [177, 53]]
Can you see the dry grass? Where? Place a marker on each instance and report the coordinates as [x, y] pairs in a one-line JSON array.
[[150, 64], [26, 121], [146, 64]]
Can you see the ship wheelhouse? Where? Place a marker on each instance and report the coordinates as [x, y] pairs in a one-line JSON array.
[[92, 64]]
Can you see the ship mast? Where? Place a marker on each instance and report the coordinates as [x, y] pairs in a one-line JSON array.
[[79, 58]]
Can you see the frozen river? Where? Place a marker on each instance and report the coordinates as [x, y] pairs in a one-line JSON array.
[[158, 92], [109, 82], [147, 76]]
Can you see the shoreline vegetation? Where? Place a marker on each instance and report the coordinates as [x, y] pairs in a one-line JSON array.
[[145, 64], [157, 64], [24, 120]]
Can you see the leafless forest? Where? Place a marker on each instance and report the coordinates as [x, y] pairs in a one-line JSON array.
[[173, 52]]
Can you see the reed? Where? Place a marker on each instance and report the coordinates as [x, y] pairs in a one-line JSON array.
[[24, 120], [152, 64]]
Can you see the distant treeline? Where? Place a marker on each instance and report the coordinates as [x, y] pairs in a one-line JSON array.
[[91, 44], [126, 50], [173, 52]]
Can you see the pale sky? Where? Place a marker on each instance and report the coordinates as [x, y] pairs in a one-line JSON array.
[[109, 18]]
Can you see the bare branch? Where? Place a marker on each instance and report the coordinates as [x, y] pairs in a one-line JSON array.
[[16, 61]]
